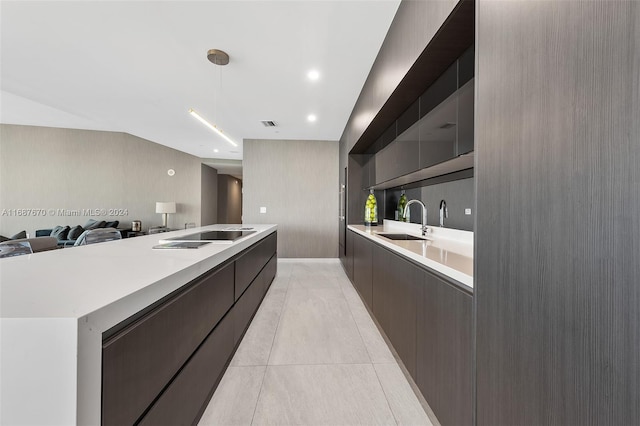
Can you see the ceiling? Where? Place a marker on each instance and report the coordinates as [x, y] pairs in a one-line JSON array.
[[139, 66]]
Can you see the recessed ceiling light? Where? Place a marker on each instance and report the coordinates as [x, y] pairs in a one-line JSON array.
[[313, 75], [311, 118], [216, 150]]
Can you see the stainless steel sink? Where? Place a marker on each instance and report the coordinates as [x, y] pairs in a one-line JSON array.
[[405, 237]]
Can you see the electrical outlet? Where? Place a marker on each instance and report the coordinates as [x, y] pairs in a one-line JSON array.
[[263, 209], [467, 211]]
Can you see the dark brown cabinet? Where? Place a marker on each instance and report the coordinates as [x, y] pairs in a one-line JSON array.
[[438, 131], [446, 114], [368, 171], [407, 151], [446, 131], [466, 103], [436, 128], [252, 261], [386, 163], [401, 156], [362, 267], [349, 248], [396, 283], [162, 365], [248, 303], [444, 350], [465, 135], [183, 397], [141, 359], [438, 119], [440, 90], [428, 321]]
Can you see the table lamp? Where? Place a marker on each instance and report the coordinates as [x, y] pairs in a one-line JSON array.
[[165, 207]]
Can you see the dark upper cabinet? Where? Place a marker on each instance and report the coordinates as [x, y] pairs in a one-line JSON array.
[[370, 167], [440, 90], [364, 181], [435, 128], [390, 134], [408, 118], [447, 130], [368, 170], [401, 156], [438, 131], [386, 163], [464, 139], [466, 66], [444, 350], [407, 149]]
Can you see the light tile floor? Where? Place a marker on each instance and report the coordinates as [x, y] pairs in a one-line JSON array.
[[313, 356]]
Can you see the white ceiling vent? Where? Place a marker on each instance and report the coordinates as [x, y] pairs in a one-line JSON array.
[[268, 123]]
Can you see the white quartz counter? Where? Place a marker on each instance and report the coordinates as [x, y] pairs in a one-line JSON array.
[[447, 251], [54, 307]]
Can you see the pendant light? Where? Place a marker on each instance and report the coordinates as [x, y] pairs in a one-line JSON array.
[[216, 57]]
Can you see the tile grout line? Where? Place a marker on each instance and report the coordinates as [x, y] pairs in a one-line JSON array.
[[284, 305], [335, 279], [386, 398], [356, 323], [312, 364], [319, 365], [255, 408]]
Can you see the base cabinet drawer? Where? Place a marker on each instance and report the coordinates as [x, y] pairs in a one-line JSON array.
[[444, 351], [270, 272], [250, 263], [138, 361], [162, 365], [247, 305], [183, 400]]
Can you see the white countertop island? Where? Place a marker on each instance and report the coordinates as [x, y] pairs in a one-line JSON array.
[[55, 305]]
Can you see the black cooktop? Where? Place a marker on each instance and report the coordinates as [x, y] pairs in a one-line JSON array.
[[213, 236]]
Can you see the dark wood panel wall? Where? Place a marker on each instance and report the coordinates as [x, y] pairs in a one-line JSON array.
[[557, 273]]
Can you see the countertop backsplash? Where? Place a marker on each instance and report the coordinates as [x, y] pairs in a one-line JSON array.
[[458, 194]]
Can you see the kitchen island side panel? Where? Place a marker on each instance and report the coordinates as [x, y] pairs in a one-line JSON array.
[[38, 370]]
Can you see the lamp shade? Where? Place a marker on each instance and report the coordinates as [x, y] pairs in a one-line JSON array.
[[165, 207]]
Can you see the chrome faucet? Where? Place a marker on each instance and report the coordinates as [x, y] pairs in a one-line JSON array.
[[444, 213], [424, 214]]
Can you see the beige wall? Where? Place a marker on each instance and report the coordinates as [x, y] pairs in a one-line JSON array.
[[51, 168], [229, 199], [297, 181]]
